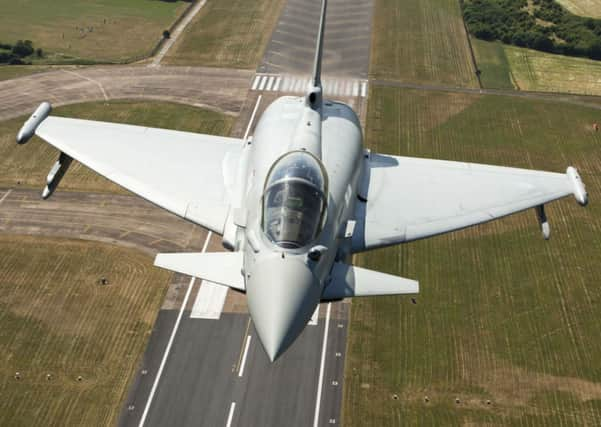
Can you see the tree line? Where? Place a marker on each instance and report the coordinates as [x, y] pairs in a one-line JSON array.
[[16, 54], [544, 26]]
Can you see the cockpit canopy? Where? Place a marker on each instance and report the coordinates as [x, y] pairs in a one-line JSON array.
[[294, 200]]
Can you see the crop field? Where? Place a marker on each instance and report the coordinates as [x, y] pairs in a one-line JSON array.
[[540, 71], [227, 33], [92, 30], [28, 165], [493, 64], [506, 328], [420, 41], [58, 320], [590, 8]]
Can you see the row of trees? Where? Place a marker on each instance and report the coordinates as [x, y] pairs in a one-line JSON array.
[[16, 54], [547, 26]]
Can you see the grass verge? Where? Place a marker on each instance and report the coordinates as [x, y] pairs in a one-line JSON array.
[[92, 30], [503, 316], [227, 33], [28, 165], [421, 41], [57, 319]]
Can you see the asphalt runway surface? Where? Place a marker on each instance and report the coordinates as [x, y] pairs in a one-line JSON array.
[[346, 43]]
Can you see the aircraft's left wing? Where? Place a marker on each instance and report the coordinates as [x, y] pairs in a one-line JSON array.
[[412, 198], [185, 173]]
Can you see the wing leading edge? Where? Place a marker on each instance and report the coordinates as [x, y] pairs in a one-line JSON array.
[[412, 198], [182, 172]]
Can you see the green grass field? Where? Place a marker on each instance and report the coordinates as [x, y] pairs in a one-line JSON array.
[[28, 165], [540, 71], [57, 319], [227, 33], [590, 8], [493, 64], [502, 315], [8, 72], [91, 30], [420, 41], [506, 67]]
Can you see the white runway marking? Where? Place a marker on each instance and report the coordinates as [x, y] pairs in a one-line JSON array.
[[315, 317], [296, 84], [209, 301], [252, 118], [269, 82], [230, 417], [5, 195], [263, 81], [363, 89], [321, 368], [241, 371], [170, 343]]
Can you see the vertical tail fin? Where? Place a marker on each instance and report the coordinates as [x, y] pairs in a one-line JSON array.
[[314, 98], [319, 46]]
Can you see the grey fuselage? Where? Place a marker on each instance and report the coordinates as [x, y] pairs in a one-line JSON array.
[[284, 286]]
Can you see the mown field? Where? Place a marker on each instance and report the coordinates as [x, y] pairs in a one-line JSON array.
[[28, 165], [58, 320], [590, 8], [227, 33], [420, 41], [506, 322], [92, 30], [506, 67], [495, 71]]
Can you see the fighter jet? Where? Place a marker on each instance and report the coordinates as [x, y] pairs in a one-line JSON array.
[[297, 200]]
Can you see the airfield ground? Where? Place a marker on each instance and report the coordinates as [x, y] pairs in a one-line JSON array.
[[511, 67], [422, 42], [590, 8], [59, 320], [228, 33], [92, 31], [27, 166], [502, 315]]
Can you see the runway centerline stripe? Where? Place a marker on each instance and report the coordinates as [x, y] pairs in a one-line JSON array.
[[241, 371], [322, 366], [230, 416], [171, 339]]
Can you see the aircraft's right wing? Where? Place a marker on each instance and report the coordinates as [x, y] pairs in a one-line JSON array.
[[412, 198]]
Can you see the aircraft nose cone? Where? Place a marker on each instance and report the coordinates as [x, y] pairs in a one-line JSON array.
[[282, 295]]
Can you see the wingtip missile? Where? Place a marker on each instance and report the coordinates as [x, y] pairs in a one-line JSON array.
[[29, 127], [542, 220], [56, 173], [578, 187]]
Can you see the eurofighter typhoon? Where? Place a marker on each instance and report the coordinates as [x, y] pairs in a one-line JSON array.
[[297, 200]]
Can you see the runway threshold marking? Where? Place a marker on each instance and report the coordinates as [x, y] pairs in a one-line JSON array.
[[241, 371], [322, 366], [230, 416], [6, 195], [170, 343]]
